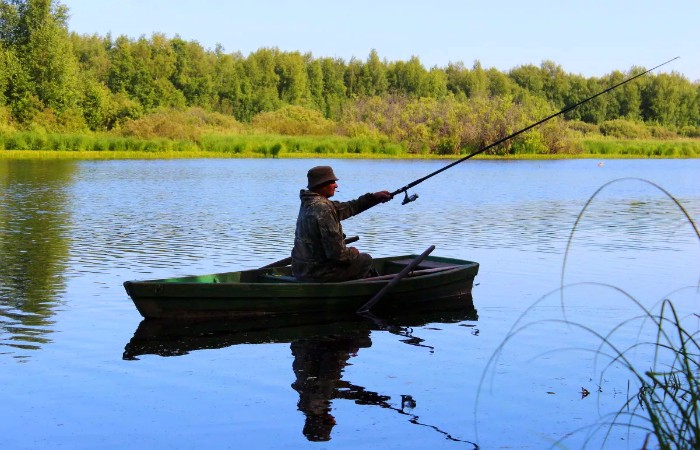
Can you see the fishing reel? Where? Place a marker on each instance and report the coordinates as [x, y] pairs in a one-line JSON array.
[[409, 199]]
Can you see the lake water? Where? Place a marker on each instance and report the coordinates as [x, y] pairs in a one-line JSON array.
[[72, 232]]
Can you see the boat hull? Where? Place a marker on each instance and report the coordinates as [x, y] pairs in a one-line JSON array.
[[270, 291]]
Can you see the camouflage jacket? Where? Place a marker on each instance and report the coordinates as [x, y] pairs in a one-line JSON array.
[[319, 242]]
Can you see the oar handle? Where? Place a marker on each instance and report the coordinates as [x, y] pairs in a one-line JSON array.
[[378, 296], [350, 240]]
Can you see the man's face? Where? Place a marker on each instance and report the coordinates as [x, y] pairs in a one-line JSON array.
[[327, 190]]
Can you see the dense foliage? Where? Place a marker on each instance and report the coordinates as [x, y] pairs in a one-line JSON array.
[[52, 80]]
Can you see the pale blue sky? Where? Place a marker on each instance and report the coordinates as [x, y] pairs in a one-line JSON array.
[[591, 38]]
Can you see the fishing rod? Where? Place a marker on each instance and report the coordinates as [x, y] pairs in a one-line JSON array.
[[411, 198]]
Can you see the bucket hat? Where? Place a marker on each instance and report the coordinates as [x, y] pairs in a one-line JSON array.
[[319, 175]]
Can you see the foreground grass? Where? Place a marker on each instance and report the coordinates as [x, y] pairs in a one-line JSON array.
[[662, 364]]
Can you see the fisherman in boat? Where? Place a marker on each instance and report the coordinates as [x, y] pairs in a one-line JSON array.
[[320, 253]]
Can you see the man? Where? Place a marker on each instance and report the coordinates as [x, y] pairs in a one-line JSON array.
[[320, 253]]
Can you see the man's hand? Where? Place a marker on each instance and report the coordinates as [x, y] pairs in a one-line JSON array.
[[382, 196], [354, 251]]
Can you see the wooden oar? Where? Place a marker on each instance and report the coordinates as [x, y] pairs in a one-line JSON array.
[[288, 260], [378, 296]]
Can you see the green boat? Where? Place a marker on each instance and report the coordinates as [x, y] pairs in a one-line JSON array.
[[272, 290]]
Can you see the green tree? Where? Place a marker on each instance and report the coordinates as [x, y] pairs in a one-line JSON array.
[[60, 80], [554, 83], [409, 78], [6, 71], [629, 96], [596, 110], [457, 76], [121, 68], [12, 34], [580, 88], [478, 81], [160, 65], [499, 84], [17, 87], [669, 99], [95, 103], [435, 84], [467, 83], [530, 78], [228, 80], [142, 80], [373, 77], [292, 78], [92, 53], [262, 80], [334, 90], [37, 33], [691, 105], [352, 77], [314, 74], [193, 73]]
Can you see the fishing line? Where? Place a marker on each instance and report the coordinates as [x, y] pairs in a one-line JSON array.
[[413, 197]]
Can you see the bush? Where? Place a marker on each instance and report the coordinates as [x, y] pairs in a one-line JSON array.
[[529, 143], [690, 131], [583, 128], [6, 125], [624, 129], [659, 132], [179, 125], [16, 142], [294, 121], [448, 145], [276, 149]]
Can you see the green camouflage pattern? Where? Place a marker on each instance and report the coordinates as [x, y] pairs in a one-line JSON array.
[[320, 253]]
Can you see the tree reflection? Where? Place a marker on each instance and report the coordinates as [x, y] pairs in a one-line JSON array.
[[33, 247]]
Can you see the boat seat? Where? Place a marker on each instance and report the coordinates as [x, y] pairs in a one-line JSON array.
[[413, 273], [397, 265], [425, 264], [271, 278]]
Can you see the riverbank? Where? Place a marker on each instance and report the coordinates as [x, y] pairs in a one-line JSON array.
[[30, 145], [199, 154], [122, 155]]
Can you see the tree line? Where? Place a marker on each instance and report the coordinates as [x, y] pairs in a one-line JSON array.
[[61, 81]]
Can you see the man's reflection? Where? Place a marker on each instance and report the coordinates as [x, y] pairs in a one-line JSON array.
[[321, 353], [318, 366]]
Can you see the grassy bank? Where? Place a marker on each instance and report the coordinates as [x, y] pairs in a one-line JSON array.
[[679, 148], [34, 145]]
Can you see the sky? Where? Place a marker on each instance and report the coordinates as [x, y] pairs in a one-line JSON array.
[[591, 38]]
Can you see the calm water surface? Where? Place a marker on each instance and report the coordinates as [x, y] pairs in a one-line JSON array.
[[72, 232]]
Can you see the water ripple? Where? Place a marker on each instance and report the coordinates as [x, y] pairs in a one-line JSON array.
[[84, 221]]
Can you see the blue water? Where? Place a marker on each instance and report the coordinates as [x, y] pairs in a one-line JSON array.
[[72, 232]]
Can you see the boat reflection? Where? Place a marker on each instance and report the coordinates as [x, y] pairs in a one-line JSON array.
[[321, 352]]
